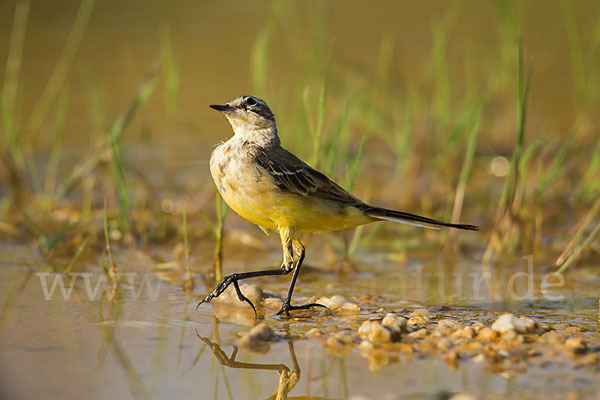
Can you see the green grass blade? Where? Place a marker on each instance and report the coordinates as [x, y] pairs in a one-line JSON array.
[[118, 127], [170, 73], [578, 69], [55, 152], [11, 81], [61, 69]]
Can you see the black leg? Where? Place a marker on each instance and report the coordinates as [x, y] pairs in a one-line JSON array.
[[234, 278], [287, 306], [284, 270]]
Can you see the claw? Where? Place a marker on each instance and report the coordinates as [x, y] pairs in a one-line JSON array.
[[204, 300], [207, 299], [241, 297], [224, 284]]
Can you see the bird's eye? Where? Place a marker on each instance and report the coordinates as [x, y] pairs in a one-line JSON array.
[[251, 101]]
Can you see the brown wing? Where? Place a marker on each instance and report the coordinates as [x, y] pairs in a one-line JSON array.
[[293, 175]]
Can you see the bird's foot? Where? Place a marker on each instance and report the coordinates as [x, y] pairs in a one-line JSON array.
[[287, 307], [222, 286]]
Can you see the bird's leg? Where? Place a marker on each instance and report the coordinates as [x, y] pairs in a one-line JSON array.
[[287, 306], [234, 278], [286, 268]]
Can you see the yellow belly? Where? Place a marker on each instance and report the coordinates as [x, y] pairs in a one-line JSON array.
[[265, 205], [254, 195]]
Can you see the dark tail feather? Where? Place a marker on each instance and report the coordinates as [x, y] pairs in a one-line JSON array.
[[411, 219]]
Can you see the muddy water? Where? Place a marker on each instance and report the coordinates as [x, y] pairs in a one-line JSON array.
[[148, 340]]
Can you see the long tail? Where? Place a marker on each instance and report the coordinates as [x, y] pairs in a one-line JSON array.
[[411, 219]]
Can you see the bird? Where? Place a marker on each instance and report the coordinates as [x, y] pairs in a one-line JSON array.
[[272, 188]]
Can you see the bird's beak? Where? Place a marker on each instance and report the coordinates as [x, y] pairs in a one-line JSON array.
[[222, 108]]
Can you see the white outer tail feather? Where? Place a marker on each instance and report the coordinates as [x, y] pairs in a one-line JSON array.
[[402, 221]]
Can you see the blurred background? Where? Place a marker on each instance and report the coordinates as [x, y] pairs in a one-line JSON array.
[[402, 83], [403, 103], [484, 112]]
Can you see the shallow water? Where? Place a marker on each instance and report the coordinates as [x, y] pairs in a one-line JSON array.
[[150, 341]]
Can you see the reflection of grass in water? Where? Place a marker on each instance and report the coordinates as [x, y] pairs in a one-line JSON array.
[[108, 340], [110, 320], [11, 294], [111, 270]]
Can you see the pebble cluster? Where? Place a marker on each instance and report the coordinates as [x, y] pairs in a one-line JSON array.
[[507, 345]]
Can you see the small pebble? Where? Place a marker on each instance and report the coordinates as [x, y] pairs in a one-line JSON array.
[[338, 303], [487, 334], [553, 337], [418, 320], [503, 353], [463, 396], [576, 344], [255, 340], [542, 326], [394, 321], [510, 335], [477, 326], [324, 312], [314, 333], [573, 329], [444, 344], [464, 333], [272, 303], [377, 333], [471, 347], [451, 356], [420, 312], [447, 325], [508, 322], [421, 333]]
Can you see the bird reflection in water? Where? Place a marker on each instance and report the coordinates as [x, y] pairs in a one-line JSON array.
[[288, 378]]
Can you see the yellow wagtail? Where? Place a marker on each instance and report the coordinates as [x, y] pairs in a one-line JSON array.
[[271, 187]]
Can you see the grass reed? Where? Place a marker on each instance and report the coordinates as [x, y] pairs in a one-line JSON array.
[[222, 211], [189, 282], [506, 232]]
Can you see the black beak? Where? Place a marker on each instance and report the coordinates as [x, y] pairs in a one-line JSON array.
[[220, 107]]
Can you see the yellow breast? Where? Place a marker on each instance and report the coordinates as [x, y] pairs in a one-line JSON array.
[[252, 193]]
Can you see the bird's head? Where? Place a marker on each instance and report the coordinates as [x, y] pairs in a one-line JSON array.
[[247, 113]]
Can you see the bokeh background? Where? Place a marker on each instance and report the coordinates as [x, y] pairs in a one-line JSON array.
[[386, 95]]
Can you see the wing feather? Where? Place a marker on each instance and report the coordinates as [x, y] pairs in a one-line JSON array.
[[293, 175]]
